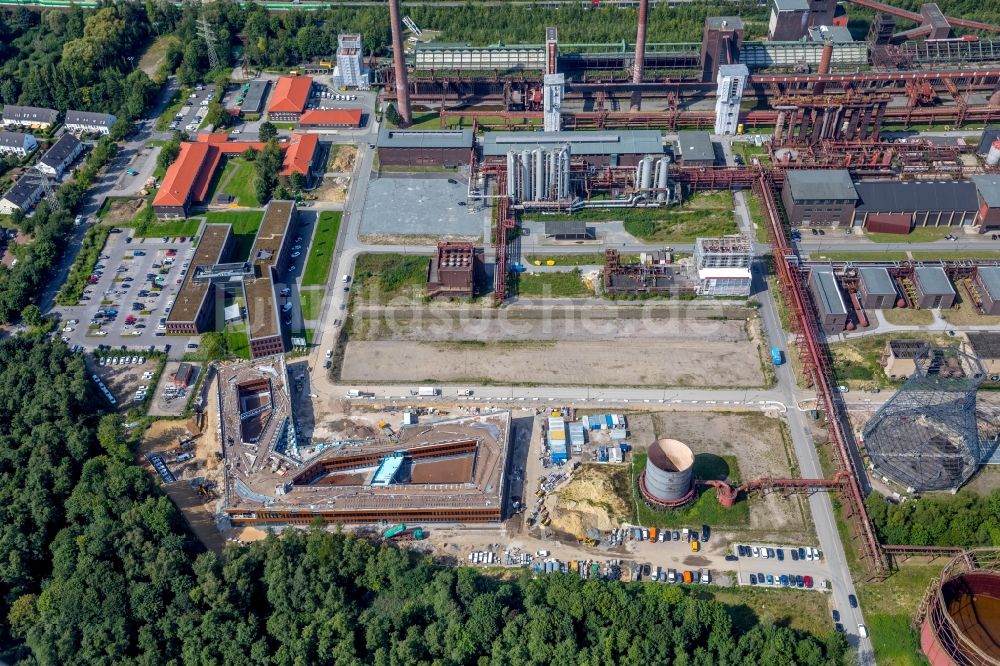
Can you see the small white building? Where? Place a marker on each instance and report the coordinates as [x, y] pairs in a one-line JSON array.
[[17, 143], [80, 122], [57, 159]]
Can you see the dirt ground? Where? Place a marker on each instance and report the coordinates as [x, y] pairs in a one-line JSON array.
[[123, 380], [762, 448], [122, 210], [593, 497], [344, 160], [198, 509], [333, 189], [595, 363]]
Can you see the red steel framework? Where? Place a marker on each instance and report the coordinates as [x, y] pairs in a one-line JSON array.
[[817, 369]]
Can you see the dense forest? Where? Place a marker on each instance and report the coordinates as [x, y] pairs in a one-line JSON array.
[[96, 567], [965, 519]]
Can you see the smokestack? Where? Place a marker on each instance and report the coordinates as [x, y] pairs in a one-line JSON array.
[[399, 65], [824, 65], [640, 54]]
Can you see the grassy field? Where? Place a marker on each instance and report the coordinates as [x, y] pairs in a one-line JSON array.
[[588, 259], [241, 183], [155, 54], [706, 509], [381, 277], [798, 610], [245, 225], [918, 235], [702, 214], [965, 315], [931, 255], [147, 226], [552, 285], [236, 340], [908, 317], [757, 217], [312, 301], [324, 243], [889, 608]]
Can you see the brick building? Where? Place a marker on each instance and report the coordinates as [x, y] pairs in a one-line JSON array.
[[987, 283], [424, 147], [876, 288], [829, 300], [451, 272], [289, 99], [819, 197], [933, 287]]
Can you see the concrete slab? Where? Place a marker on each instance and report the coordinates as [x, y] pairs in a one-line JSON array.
[[420, 206]]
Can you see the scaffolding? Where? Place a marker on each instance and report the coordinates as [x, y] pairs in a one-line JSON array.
[[926, 437]]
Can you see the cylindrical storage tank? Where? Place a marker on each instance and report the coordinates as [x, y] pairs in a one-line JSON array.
[[539, 156], [662, 173], [993, 157], [526, 183], [564, 187], [669, 464], [647, 173], [511, 176]]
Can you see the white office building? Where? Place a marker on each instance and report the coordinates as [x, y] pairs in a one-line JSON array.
[[732, 80], [350, 70]]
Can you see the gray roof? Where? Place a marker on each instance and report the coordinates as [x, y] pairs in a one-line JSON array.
[[831, 301], [877, 281], [695, 146], [791, 5], [61, 150], [565, 228], [892, 196], [13, 139], [30, 114], [934, 281], [820, 184], [838, 34], [391, 138], [985, 344], [89, 118], [989, 187], [724, 22], [253, 101], [990, 277], [990, 134], [622, 142], [24, 191]]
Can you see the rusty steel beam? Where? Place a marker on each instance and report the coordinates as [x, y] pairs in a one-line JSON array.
[[862, 77]]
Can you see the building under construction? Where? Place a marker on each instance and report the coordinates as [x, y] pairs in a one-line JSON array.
[[724, 266], [447, 471]]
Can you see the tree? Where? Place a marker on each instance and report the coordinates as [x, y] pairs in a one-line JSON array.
[[32, 315], [267, 166], [297, 180], [169, 152], [267, 131]]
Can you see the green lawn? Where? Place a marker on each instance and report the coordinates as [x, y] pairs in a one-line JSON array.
[[889, 607], [705, 509], [324, 243], [146, 225], [930, 255], [918, 235], [702, 214], [237, 342], [312, 301], [552, 285], [241, 184], [245, 225], [381, 277]]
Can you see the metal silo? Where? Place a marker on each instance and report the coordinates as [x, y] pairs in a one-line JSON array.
[[526, 184], [512, 176], [646, 167], [662, 171], [539, 160], [564, 184], [669, 464]]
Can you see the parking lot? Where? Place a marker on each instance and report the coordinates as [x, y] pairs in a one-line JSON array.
[[191, 115], [780, 566], [133, 285], [129, 376]]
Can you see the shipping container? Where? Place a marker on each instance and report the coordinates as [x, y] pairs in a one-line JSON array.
[[687, 576]]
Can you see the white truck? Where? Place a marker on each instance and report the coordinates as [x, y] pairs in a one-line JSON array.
[[428, 391], [355, 393]]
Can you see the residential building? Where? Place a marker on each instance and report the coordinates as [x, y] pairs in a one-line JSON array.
[[17, 143], [695, 148], [58, 158], [89, 122], [424, 147], [29, 116], [24, 194], [933, 288], [819, 197], [324, 118], [876, 288], [289, 99], [829, 300]]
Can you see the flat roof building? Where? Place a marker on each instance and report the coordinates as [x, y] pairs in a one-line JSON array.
[[606, 147], [451, 272], [695, 149], [255, 96], [899, 357], [933, 288], [270, 260], [291, 94], [789, 20], [986, 346], [829, 300], [567, 230], [723, 266], [194, 305], [424, 147], [928, 203], [876, 288], [819, 197], [987, 282]]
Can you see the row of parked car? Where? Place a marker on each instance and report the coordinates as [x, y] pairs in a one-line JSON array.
[[783, 580], [804, 553]]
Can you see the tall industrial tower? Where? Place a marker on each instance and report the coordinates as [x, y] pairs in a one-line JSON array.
[[399, 65], [732, 80], [554, 84], [205, 32], [640, 55]]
